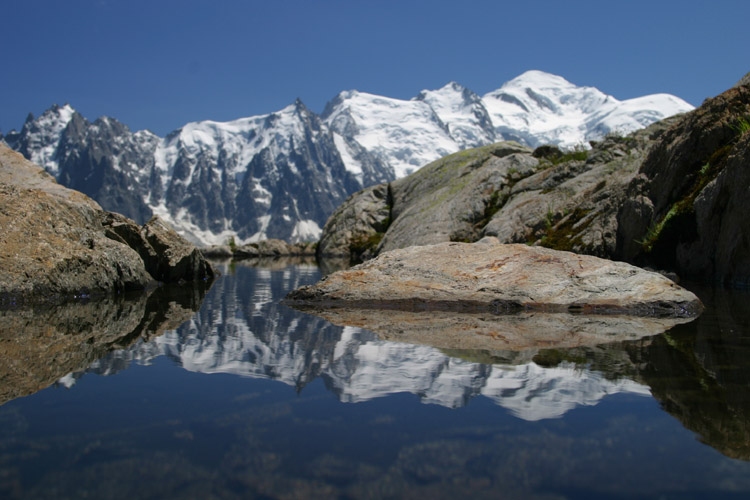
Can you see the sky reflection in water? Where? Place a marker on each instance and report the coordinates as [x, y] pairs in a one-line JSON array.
[[248, 398]]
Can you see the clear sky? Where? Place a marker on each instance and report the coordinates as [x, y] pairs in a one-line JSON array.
[[158, 64]]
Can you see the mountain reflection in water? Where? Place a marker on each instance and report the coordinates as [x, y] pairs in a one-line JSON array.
[[243, 330], [235, 434]]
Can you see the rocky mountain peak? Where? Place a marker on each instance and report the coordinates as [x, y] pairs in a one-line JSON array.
[[745, 80], [193, 177]]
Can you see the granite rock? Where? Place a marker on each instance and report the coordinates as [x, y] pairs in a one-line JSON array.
[[491, 277]]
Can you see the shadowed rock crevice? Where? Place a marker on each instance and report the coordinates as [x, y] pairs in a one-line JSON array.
[[686, 208]]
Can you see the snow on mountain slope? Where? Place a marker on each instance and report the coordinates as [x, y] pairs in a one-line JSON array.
[[281, 175], [237, 141], [40, 137], [539, 108], [623, 117], [463, 113], [406, 134]]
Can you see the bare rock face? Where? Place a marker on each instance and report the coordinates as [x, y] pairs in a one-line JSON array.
[[173, 258], [745, 80], [567, 200], [490, 277], [687, 208], [358, 225], [58, 243], [168, 257], [52, 242]]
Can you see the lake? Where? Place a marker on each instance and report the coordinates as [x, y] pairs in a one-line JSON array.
[[233, 395]]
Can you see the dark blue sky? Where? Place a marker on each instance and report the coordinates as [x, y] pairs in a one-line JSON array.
[[159, 64]]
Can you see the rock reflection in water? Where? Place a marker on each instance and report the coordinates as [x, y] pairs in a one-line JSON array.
[[41, 344], [700, 372], [513, 332]]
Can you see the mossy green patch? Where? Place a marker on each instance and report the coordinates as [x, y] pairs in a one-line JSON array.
[[565, 235], [742, 125], [362, 243], [678, 224]]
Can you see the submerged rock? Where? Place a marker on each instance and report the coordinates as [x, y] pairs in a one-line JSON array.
[[489, 277]]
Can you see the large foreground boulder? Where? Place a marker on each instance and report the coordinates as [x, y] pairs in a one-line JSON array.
[[58, 243], [488, 276]]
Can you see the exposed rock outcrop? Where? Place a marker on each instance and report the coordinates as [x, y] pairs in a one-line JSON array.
[[357, 226], [671, 196], [262, 249], [745, 80], [489, 277], [167, 256], [567, 200], [687, 208], [58, 243]]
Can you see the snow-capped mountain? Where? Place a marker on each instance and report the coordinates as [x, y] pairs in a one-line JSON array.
[[242, 330], [282, 174], [538, 108]]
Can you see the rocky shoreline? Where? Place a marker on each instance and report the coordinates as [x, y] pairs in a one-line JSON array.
[[271, 248], [669, 196]]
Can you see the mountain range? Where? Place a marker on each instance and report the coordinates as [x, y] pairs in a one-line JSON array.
[[281, 175]]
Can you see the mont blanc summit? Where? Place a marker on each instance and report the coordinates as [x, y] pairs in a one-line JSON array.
[[282, 174]]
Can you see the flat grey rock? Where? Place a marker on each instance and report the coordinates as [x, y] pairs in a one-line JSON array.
[[499, 278]]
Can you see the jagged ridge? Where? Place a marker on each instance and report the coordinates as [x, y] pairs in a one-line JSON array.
[[281, 175]]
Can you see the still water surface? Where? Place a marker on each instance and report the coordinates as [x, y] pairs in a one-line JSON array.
[[246, 398]]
